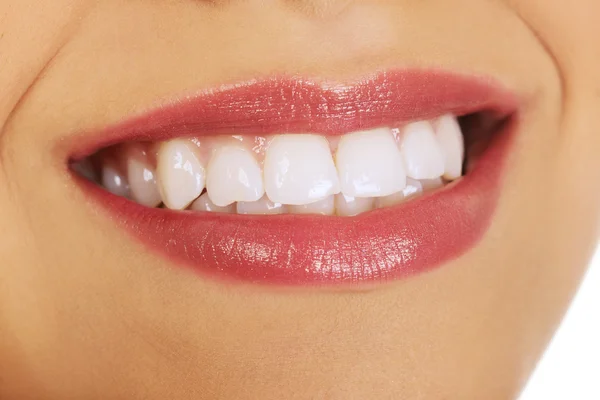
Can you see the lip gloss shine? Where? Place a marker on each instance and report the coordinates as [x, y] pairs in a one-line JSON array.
[[377, 246]]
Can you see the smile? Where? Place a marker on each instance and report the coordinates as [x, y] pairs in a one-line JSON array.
[[302, 182]]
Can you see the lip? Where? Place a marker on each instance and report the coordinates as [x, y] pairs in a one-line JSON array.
[[378, 246]]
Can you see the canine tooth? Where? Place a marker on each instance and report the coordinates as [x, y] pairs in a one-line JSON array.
[[421, 152], [114, 181], [323, 207], [431, 184], [347, 206], [203, 203], [233, 174], [370, 164], [450, 138], [299, 169], [261, 206], [142, 182], [181, 176]]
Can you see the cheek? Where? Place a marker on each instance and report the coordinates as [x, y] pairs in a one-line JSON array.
[[568, 33]]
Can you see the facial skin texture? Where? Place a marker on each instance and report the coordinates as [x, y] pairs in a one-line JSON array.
[[86, 312]]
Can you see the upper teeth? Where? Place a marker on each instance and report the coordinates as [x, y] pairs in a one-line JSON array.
[[233, 175], [299, 173], [181, 174], [141, 176], [113, 181], [370, 164], [421, 151], [451, 142], [299, 170]]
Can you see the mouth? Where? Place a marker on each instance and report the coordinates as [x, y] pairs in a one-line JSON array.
[[304, 182]]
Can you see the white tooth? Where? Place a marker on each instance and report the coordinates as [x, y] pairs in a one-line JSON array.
[[413, 189], [203, 203], [431, 184], [450, 138], [422, 154], [181, 176], [390, 200], [347, 206], [299, 170], [233, 174], [114, 182], [323, 207], [142, 181], [369, 164], [262, 206]]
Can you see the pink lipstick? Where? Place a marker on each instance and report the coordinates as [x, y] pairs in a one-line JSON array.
[[377, 246]]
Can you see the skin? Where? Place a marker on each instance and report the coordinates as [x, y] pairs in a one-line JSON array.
[[86, 312]]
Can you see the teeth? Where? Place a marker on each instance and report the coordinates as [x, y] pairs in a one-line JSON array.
[[180, 173], [289, 173], [203, 203], [114, 182], [233, 175], [370, 164], [347, 206], [450, 138], [142, 181], [299, 169], [262, 206], [431, 184], [323, 207], [413, 189], [390, 200], [421, 151]]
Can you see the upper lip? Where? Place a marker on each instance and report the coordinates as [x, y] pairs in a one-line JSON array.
[[294, 105], [292, 249]]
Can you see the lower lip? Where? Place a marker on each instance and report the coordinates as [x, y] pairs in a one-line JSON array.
[[375, 247]]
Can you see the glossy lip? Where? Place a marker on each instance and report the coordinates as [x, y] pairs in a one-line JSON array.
[[377, 246]]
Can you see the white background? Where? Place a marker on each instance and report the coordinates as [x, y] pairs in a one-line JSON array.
[[570, 369]]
